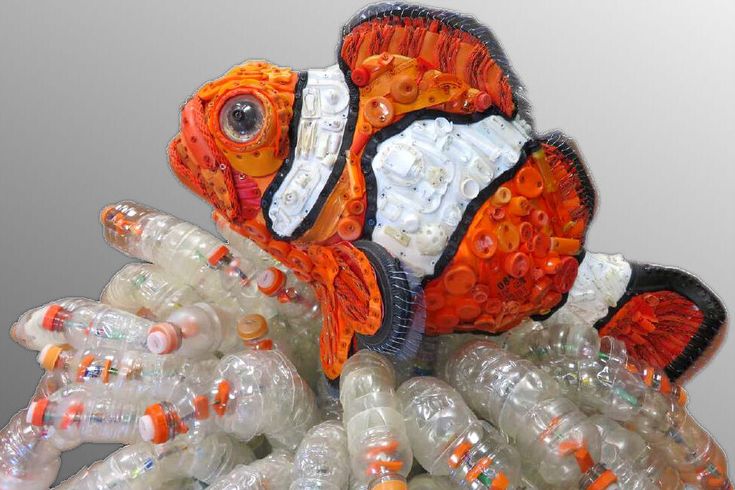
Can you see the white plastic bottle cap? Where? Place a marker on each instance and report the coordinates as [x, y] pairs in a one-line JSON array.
[[146, 428], [163, 338]]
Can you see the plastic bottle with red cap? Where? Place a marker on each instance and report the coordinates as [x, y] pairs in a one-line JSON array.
[[379, 448], [322, 461], [550, 432], [190, 254], [79, 413], [270, 473], [148, 291], [143, 466], [448, 439], [260, 392]]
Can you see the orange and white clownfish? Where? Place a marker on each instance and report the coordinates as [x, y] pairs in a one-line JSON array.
[[411, 168]]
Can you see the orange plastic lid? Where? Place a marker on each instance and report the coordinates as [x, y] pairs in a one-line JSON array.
[[360, 76], [251, 327], [483, 244], [163, 338], [459, 279], [36, 411], [222, 397], [50, 316], [153, 425], [271, 280], [391, 485], [49, 355], [218, 254], [529, 182], [349, 229], [517, 264], [603, 481], [201, 407]]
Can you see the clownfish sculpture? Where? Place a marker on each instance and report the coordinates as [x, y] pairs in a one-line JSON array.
[[411, 169]]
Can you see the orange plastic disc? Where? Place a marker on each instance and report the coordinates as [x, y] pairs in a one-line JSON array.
[[529, 182], [459, 280], [379, 112]]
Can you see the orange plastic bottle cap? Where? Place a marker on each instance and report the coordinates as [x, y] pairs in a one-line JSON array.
[[201, 407], [251, 327], [404, 89], [519, 206], [48, 356], [605, 480], [565, 246], [271, 280], [163, 338], [509, 238], [349, 229], [541, 245], [356, 206], [501, 196], [49, 318], [36, 412], [391, 485], [360, 76], [517, 264], [539, 218], [379, 112], [153, 426], [483, 244], [459, 279], [529, 182], [526, 231], [278, 249], [468, 310], [566, 274], [218, 254]]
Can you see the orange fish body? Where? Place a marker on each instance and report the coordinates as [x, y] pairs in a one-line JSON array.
[[410, 170]]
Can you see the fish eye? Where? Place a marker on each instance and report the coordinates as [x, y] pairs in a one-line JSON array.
[[241, 118]]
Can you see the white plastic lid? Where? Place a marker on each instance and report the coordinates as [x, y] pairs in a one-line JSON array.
[[157, 342], [29, 414], [146, 428]]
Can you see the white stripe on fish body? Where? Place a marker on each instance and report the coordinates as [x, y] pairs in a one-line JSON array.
[[428, 174], [324, 111]]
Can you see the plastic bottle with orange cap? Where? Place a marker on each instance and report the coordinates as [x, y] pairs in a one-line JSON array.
[[190, 254], [79, 413], [379, 448], [448, 439], [600, 377], [322, 461], [270, 473], [148, 291], [549, 431], [297, 298], [120, 368], [635, 464]]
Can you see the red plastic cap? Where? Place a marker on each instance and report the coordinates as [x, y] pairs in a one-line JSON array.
[[49, 319], [36, 412], [360, 76], [217, 255]]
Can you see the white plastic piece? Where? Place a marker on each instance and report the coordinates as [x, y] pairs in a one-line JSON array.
[[601, 282], [426, 177], [324, 111], [146, 428]]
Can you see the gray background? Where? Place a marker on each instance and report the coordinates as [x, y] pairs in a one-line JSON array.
[[90, 91]]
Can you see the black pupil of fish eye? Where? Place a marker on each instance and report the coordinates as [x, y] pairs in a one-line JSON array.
[[244, 117]]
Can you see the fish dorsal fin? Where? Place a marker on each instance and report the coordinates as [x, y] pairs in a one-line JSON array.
[[452, 43]]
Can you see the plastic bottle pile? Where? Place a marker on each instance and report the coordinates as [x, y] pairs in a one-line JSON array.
[[203, 360]]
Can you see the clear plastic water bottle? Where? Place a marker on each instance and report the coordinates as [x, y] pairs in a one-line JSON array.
[[296, 298], [183, 409], [188, 253], [120, 368], [27, 459], [260, 392], [79, 413], [448, 439], [322, 460], [551, 433], [148, 291], [270, 473], [379, 448]]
